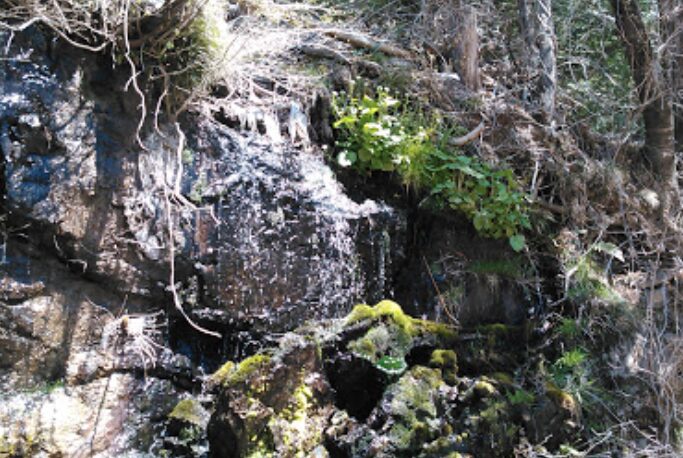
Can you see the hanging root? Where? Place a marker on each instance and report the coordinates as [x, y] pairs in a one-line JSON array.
[[137, 333], [175, 191]]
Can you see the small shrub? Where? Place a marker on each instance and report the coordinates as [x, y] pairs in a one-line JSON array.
[[573, 373], [376, 133]]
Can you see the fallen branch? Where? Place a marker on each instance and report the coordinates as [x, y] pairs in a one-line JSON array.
[[324, 53], [361, 41], [468, 137], [550, 207]]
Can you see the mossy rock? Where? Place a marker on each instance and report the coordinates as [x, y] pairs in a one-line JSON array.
[[447, 361], [412, 409], [186, 427], [274, 403], [231, 374], [392, 334], [188, 411]]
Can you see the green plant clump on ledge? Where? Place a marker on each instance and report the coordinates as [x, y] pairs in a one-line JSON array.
[[375, 133]]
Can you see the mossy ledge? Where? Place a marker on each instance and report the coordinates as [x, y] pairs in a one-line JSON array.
[[392, 312], [231, 374]]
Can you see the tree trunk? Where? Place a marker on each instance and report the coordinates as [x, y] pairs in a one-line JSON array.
[[654, 92], [536, 24], [465, 54], [671, 13]]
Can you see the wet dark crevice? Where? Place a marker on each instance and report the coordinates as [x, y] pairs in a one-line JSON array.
[[209, 353], [357, 383]]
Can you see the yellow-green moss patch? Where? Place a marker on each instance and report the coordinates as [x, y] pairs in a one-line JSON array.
[[187, 411], [233, 374]]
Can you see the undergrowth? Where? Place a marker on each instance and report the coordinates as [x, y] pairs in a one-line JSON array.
[[381, 134]]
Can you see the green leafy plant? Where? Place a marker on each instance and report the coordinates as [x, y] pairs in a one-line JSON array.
[[371, 132], [378, 133], [391, 364], [568, 328], [587, 279], [489, 197], [572, 373], [521, 397]]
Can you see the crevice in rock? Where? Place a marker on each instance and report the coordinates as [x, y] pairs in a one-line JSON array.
[[209, 353], [357, 383]]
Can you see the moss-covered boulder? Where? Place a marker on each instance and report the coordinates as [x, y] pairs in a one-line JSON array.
[[186, 429], [374, 347], [392, 334], [410, 413], [272, 404], [377, 383]]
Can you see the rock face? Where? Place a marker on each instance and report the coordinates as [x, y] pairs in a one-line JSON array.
[[259, 230], [254, 236]]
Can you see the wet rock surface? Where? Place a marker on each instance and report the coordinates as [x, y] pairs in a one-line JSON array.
[[263, 239], [260, 231]]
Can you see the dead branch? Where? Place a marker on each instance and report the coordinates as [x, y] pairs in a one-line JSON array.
[[361, 41], [324, 52], [468, 137]]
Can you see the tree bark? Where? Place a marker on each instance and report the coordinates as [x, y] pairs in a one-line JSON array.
[[671, 14], [536, 25], [465, 55], [654, 92]]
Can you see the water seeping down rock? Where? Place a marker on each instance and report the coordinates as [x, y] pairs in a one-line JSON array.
[[264, 238]]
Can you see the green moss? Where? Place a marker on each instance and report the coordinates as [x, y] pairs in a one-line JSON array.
[[413, 408], [394, 311], [447, 361], [296, 430], [499, 333], [221, 375], [484, 388], [504, 267], [247, 367], [393, 334], [233, 374], [360, 312], [187, 411], [384, 345], [444, 358], [446, 333], [497, 329], [561, 398], [503, 378]]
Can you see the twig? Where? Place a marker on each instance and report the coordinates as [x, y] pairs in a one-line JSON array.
[[442, 302]]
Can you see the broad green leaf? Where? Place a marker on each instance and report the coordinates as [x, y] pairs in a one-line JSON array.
[[517, 242], [346, 158]]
